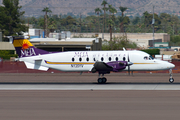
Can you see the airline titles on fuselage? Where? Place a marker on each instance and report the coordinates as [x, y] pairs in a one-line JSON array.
[[97, 56]]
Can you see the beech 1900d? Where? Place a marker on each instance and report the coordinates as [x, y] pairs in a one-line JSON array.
[[102, 62]]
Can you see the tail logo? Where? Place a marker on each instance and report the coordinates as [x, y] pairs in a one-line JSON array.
[[27, 49], [27, 52], [25, 46]]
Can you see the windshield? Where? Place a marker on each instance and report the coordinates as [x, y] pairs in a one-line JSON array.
[[148, 58], [151, 58]]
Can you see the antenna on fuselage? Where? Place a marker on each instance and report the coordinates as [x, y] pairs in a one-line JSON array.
[[124, 49]]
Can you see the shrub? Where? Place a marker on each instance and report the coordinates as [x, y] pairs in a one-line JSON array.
[[118, 43], [7, 54], [152, 51]]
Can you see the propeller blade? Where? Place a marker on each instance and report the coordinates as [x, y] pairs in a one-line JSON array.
[[128, 69], [128, 58], [128, 65]]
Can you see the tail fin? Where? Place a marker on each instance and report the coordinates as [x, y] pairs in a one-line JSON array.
[[24, 48]]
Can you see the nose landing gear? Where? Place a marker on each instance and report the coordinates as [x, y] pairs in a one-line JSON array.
[[171, 79]]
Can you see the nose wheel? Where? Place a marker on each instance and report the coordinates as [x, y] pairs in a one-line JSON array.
[[171, 79]]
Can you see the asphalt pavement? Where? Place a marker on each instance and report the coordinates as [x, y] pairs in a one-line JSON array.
[[71, 96]]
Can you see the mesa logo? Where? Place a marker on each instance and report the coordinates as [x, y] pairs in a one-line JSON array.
[[26, 50], [25, 45]]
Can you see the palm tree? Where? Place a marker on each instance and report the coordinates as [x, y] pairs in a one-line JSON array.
[[46, 10], [97, 11], [122, 9], [111, 23], [104, 3], [109, 8], [113, 11], [145, 19], [112, 19]]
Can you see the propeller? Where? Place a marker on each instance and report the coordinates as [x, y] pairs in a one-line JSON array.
[[129, 64]]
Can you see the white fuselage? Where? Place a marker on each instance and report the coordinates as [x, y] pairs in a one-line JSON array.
[[84, 60]]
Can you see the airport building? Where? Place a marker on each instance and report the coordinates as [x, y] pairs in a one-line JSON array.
[[63, 42], [143, 40], [66, 41], [60, 42]]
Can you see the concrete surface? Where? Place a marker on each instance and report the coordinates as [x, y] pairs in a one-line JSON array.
[[89, 105]]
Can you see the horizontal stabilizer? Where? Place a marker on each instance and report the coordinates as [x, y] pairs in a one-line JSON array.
[[35, 66]]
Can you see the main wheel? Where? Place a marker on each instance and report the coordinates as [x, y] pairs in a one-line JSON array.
[[171, 80], [100, 80], [104, 80]]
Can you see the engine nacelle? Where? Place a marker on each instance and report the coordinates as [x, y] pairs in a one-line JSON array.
[[118, 65]]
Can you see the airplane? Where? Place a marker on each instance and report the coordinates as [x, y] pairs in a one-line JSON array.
[[102, 62]]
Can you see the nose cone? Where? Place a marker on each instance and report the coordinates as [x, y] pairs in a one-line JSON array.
[[171, 65], [166, 65]]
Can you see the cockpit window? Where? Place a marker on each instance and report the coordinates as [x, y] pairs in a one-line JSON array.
[[151, 57], [146, 58]]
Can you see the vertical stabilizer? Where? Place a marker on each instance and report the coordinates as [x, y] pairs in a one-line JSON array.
[[24, 48]]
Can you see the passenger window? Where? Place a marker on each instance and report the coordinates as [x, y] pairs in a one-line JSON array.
[[109, 58], [124, 59], [87, 59], [73, 59], [94, 59], [80, 59], [116, 58], [102, 59]]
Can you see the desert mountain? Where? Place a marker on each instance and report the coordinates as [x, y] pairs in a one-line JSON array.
[[85, 7]]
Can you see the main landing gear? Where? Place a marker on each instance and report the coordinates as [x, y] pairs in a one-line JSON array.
[[101, 80], [171, 79]]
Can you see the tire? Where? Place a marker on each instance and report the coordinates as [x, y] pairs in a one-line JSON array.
[[104, 80], [100, 81], [171, 80]]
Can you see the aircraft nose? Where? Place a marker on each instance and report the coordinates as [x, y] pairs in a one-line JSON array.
[[171, 65]]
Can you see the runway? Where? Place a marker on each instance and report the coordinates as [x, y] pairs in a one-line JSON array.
[[86, 78], [87, 81], [90, 87], [89, 105], [78, 97]]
